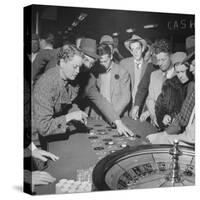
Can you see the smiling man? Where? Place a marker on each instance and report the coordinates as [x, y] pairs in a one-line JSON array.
[[89, 84], [114, 83], [135, 65], [166, 71]]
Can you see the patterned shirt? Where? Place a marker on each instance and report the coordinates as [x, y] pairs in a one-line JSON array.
[[52, 100], [182, 119]]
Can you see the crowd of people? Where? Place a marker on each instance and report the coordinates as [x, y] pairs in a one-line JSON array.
[[86, 79]]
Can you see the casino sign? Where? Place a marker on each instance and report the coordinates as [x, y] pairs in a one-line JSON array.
[[181, 24]]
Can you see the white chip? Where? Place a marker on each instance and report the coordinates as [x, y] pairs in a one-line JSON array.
[[63, 181], [92, 133], [123, 145], [110, 142], [70, 181], [131, 138]]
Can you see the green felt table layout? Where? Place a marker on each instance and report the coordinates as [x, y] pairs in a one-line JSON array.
[[83, 150]]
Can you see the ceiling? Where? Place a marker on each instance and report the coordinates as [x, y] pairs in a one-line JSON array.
[[99, 22]]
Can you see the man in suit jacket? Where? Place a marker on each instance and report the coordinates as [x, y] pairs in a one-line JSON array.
[[135, 65], [157, 78], [114, 83], [46, 57], [89, 83]]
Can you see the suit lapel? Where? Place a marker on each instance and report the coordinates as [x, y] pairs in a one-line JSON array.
[[112, 79], [144, 66], [133, 72]]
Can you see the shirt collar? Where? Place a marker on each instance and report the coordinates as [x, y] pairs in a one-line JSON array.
[[108, 70], [169, 73], [48, 47], [138, 63]]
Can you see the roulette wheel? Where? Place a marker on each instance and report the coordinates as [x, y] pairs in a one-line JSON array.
[[146, 166]]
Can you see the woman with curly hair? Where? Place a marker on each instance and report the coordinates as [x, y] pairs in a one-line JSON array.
[[54, 94]]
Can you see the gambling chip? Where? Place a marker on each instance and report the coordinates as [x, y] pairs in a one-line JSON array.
[[98, 125], [91, 133], [111, 143], [117, 136], [109, 128], [123, 145], [98, 148], [93, 137], [100, 130], [71, 186], [132, 138], [103, 133], [107, 140]]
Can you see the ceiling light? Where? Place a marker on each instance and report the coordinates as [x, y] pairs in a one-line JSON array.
[[82, 16], [115, 34], [151, 26], [75, 23], [130, 30]]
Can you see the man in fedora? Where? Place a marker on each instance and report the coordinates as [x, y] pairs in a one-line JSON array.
[[88, 82], [113, 44], [135, 64]]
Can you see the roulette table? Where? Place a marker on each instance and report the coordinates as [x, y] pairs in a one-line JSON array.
[[100, 150]]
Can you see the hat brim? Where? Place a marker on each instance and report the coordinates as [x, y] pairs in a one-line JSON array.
[[91, 54], [107, 42], [189, 57], [127, 42]]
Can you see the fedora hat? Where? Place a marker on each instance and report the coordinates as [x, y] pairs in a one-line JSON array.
[[135, 38], [106, 39], [88, 46], [190, 44], [189, 57]]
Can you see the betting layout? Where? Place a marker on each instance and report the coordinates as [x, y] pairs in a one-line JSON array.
[[105, 140]]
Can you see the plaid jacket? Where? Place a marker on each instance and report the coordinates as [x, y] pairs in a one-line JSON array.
[[52, 100], [183, 117]]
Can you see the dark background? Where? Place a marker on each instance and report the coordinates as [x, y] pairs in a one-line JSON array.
[[57, 19]]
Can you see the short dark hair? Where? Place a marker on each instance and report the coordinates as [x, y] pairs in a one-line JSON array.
[[104, 49], [134, 41], [48, 37], [161, 45]]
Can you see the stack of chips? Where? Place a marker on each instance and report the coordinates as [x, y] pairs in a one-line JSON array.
[[70, 186]]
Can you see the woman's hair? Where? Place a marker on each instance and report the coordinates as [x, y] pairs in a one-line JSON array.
[[170, 100], [188, 73], [67, 52]]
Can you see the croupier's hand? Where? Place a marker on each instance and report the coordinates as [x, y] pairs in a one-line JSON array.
[[167, 120], [122, 129], [77, 115], [144, 116], [135, 112]]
